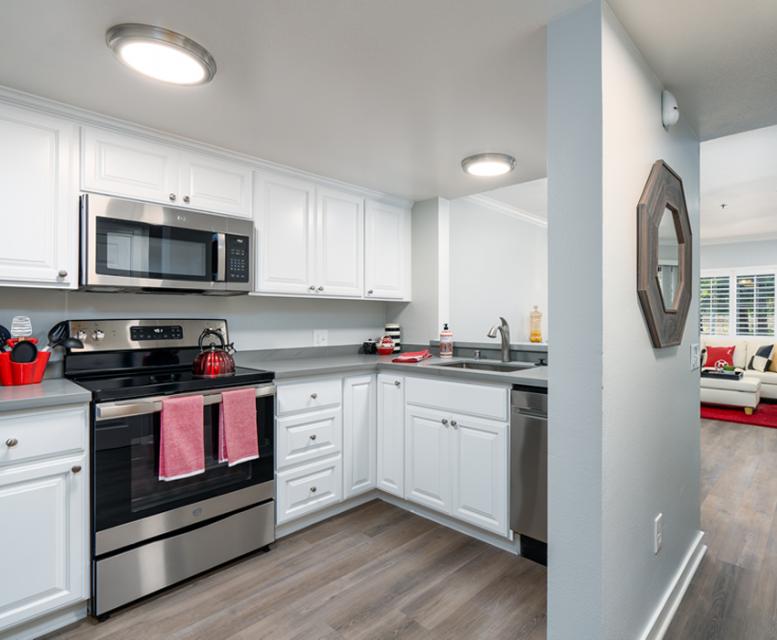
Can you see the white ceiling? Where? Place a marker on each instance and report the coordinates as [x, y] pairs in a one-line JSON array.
[[739, 171], [388, 95]]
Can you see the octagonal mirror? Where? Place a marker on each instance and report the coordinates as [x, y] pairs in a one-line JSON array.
[[668, 268]]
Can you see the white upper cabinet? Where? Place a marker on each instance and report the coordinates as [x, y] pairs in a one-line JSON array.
[[285, 226], [134, 167], [387, 252], [339, 243], [39, 200], [213, 184]]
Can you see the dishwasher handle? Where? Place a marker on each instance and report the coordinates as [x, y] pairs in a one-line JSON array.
[[532, 413]]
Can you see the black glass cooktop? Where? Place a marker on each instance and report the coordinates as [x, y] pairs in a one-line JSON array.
[[165, 382]]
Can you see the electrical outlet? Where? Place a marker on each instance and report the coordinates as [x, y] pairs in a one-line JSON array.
[[658, 533], [695, 356], [320, 337]]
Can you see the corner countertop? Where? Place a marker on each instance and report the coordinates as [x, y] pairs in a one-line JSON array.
[[49, 393], [289, 368]]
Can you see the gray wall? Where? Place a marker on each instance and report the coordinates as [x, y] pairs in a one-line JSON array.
[[759, 253], [498, 267], [624, 421]]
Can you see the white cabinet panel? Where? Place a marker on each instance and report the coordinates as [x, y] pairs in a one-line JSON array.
[[285, 222], [214, 184], [480, 472], [486, 401], [43, 538], [339, 244], [305, 489], [39, 199], [309, 395], [359, 435], [387, 251], [127, 166], [308, 436], [427, 458], [42, 433], [391, 434]]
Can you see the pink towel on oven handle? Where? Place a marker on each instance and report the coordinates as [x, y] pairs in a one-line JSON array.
[[181, 438], [238, 431]]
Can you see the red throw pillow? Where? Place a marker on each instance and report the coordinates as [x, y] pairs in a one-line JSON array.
[[716, 354]]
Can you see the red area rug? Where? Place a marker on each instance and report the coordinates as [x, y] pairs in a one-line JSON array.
[[764, 416]]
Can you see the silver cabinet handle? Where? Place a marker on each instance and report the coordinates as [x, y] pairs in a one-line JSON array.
[[314, 396], [321, 288], [444, 421], [312, 287], [370, 292], [313, 436], [454, 424], [172, 197], [312, 489], [186, 199], [11, 443], [397, 383], [76, 468], [62, 273]]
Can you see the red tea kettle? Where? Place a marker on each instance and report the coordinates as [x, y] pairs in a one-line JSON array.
[[213, 360]]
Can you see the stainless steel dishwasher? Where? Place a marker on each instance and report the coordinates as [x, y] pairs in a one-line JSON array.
[[529, 469]]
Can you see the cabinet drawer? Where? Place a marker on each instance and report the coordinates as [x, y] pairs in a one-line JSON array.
[[309, 395], [458, 397], [306, 489], [308, 436], [41, 433]]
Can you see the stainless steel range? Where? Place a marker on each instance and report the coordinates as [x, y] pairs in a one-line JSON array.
[[148, 534]]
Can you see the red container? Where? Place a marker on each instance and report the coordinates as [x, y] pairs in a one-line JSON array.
[[18, 373]]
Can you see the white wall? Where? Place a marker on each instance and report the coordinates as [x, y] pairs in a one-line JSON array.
[[498, 267], [254, 322], [624, 422], [733, 255]]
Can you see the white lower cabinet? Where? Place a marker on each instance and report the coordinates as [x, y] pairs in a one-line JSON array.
[[428, 458], [359, 436], [306, 489], [43, 502], [391, 434]]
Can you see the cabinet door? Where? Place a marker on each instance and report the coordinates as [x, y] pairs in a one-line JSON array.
[[285, 222], [339, 244], [312, 435], [480, 464], [43, 538], [386, 251], [131, 167], [308, 488], [391, 434], [215, 184], [40, 200], [359, 435], [428, 458]]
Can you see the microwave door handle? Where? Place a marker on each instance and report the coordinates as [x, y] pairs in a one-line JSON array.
[[221, 257]]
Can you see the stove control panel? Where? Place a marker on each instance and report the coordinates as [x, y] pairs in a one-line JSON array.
[[127, 335], [169, 332]]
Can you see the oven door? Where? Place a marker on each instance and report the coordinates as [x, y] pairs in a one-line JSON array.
[[129, 502]]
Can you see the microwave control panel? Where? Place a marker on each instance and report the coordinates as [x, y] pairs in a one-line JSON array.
[[238, 261]]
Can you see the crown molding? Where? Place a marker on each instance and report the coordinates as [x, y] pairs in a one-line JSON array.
[[760, 237], [86, 117], [506, 209]]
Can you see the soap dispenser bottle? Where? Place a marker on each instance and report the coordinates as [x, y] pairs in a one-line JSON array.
[[446, 342]]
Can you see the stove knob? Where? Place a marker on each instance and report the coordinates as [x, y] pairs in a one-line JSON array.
[[98, 334], [81, 335]]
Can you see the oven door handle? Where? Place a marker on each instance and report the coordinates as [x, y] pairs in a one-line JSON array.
[[145, 406]]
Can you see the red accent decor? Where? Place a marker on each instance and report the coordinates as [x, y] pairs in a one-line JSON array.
[[764, 416], [16, 373], [714, 354]]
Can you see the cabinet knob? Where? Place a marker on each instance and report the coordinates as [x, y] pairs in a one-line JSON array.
[[76, 468], [62, 273], [312, 489], [313, 436], [312, 287], [444, 421], [321, 288], [11, 442], [172, 197], [454, 424], [314, 396], [370, 292], [397, 383], [186, 199]]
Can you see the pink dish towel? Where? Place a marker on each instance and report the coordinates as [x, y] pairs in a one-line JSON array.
[[413, 356], [181, 438], [238, 433]]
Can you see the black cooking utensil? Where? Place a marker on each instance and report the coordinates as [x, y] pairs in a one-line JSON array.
[[5, 335], [24, 352], [72, 343], [57, 334]]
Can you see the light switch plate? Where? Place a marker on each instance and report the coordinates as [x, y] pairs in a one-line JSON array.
[[695, 356], [320, 337]]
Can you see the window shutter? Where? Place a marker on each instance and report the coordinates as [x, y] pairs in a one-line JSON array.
[[714, 305], [755, 305]]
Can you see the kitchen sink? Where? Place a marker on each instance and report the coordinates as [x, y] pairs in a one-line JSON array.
[[481, 365]]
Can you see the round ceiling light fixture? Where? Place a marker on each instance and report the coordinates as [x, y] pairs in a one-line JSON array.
[[161, 54], [487, 165]]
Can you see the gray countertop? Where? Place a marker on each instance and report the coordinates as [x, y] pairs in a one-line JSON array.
[[49, 393], [289, 368]]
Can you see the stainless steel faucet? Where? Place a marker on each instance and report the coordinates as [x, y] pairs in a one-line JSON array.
[[504, 329]]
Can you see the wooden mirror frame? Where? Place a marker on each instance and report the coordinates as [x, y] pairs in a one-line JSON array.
[[663, 190]]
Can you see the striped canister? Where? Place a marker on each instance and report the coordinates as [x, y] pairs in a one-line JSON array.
[[392, 330]]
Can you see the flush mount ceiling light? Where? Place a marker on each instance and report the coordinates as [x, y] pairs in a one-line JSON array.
[[486, 165], [161, 54]]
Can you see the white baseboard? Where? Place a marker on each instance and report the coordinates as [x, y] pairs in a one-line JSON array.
[[662, 617], [46, 624]]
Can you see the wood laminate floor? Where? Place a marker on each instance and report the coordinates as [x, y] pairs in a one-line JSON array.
[[374, 572]]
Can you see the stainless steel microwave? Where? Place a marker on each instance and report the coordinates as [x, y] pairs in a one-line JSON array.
[[137, 246]]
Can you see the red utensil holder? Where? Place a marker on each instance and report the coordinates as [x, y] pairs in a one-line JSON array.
[[16, 373]]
